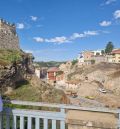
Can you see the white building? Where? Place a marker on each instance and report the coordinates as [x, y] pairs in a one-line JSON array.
[[37, 72], [97, 52], [80, 58]]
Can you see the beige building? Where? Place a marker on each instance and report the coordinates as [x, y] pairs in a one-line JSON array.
[[85, 57], [116, 56]]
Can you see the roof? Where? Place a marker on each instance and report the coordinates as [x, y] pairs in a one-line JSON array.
[[116, 51], [53, 69]]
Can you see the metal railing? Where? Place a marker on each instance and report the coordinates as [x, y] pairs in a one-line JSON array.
[[15, 118]]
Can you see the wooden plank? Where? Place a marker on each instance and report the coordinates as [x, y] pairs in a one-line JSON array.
[[53, 124], [21, 122]]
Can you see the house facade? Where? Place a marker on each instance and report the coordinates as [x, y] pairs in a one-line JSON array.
[[54, 74], [91, 57], [85, 57], [116, 56]]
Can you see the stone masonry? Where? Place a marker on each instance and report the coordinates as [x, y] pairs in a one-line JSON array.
[[8, 36]]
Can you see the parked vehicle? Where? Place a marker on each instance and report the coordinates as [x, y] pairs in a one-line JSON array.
[[102, 90]]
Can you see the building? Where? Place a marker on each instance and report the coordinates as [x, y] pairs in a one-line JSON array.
[[91, 57], [85, 57], [99, 58], [8, 36], [41, 72], [115, 56], [37, 72], [97, 52], [54, 74]]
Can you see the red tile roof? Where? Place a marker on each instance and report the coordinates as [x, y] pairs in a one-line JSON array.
[[116, 51], [53, 69]]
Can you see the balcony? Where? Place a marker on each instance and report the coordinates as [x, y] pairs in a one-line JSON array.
[[55, 117]]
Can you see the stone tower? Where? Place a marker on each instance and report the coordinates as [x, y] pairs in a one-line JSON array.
[[8, 36]]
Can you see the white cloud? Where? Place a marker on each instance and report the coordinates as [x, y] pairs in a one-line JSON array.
[[74, 36], [29, 51], [110, 1], [83, 35], [58, 40], [20, 26], [34, 18], [105, 23], [90, 33], [38, 39], [117, 14]]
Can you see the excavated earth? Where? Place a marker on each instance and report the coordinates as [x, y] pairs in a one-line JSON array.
[[95, 79]]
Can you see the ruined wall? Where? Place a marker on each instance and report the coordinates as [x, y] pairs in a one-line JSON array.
[[8, 36]]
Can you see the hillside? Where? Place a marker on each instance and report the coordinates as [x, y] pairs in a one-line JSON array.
[[38, 91], [49, 64], [17, 81], [93, 79]]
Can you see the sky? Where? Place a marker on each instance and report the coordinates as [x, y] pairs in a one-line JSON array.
[[57, 30]]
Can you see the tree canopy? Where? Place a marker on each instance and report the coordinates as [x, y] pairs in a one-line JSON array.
[[109, 48]]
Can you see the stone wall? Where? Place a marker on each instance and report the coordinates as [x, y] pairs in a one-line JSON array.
[[91, 120], [8, 36]]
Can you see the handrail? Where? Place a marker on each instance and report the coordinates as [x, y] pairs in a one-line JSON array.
[[61, 106]]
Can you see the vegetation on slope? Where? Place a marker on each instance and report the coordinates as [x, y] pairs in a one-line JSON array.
[[49, 64], [8, 56], [37, 91]]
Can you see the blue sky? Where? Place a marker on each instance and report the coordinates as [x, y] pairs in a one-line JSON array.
[[60, 29]]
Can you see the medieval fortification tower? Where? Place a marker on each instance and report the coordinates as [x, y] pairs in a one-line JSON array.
[[8, 36]]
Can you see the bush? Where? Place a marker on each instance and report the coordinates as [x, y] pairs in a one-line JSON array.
[[92, 61], [74, 62]]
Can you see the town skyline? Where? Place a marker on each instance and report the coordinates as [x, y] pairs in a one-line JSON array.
[[59, 30]]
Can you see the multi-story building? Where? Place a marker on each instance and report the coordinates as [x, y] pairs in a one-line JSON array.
[[91, 57], [54, 74], [85, 57]]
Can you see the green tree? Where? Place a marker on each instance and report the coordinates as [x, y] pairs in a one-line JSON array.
[[103, 52], [109, 48], [74, 62]]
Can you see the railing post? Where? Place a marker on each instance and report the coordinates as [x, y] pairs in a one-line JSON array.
[[62, 122], [45, 123], [37, 123], [7, 121], [29, 124], [21, 122], [119, 119], [0, 120], [14, 122], [53, 124]]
